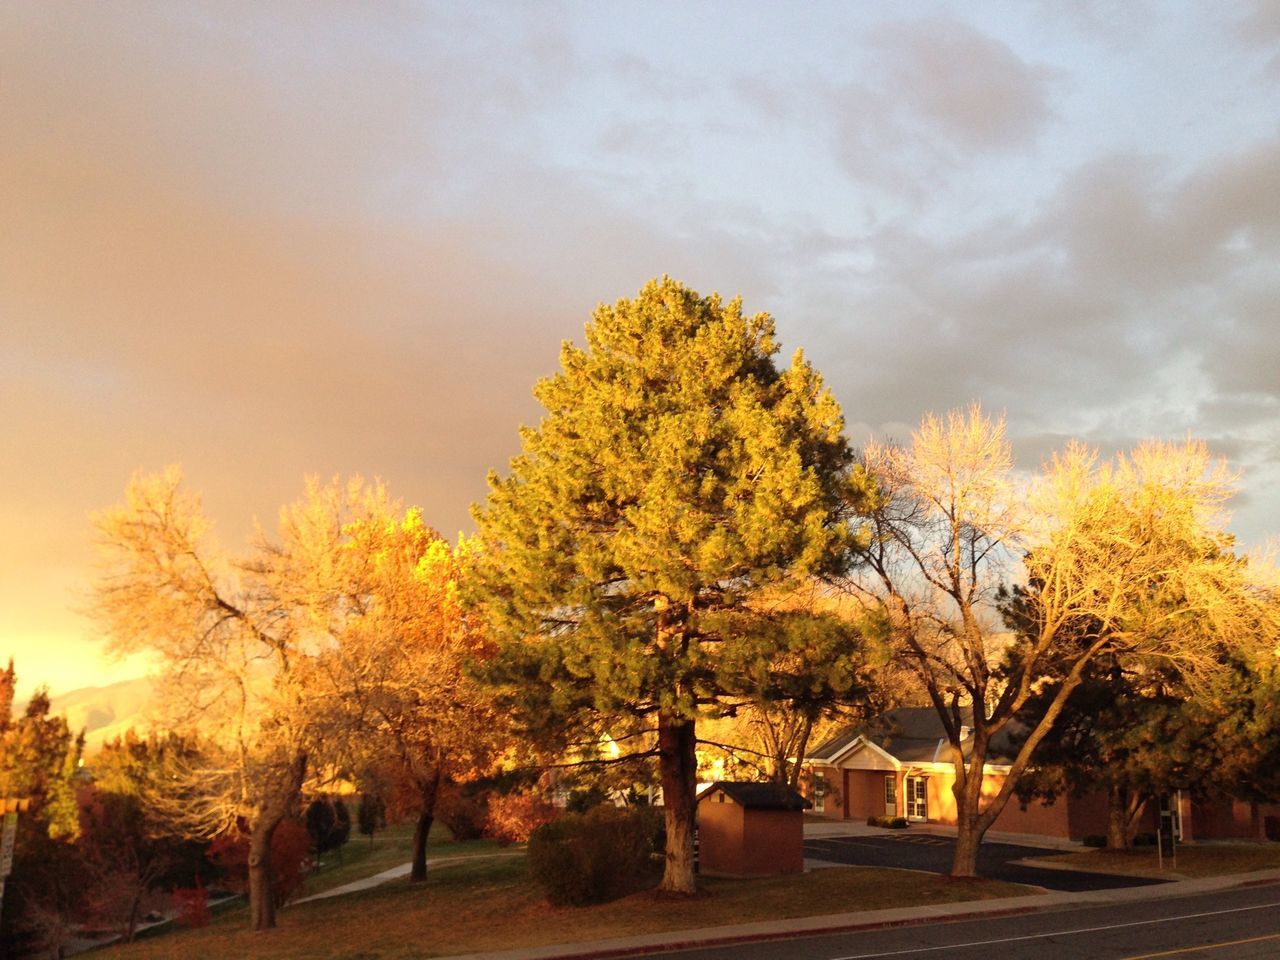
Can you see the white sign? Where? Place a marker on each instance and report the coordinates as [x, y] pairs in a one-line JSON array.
[[6, 844]]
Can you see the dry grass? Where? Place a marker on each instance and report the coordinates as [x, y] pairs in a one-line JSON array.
[[1196, 860], [489, 904]]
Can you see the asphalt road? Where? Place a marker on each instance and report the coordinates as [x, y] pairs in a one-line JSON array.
[[1238, 924], [995, 860]]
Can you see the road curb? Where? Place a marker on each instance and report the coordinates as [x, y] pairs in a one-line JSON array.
[[834, 924]]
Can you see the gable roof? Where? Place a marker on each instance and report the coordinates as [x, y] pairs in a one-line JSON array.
[[758, 796], [909, 735]]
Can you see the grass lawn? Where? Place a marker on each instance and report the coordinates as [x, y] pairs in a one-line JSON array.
[[390, 848], [1194, 860], [490, 904]]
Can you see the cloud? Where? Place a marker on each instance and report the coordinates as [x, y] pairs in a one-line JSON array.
[[1259, 30], [267, 245], [944, 94], [1110, 25], [972, 89], [1132, 302]]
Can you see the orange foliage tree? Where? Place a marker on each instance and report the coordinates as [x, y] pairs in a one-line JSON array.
[[394, 676], [281, 659]]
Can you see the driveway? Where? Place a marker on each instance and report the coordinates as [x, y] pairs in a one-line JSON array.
[[996, 860]]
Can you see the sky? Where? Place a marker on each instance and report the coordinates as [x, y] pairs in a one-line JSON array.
[[267, 241]]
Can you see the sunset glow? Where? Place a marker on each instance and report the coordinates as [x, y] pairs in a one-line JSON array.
[[267, 246]]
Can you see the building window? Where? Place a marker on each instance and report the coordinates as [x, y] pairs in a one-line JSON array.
[[819, 793], [891, 795]]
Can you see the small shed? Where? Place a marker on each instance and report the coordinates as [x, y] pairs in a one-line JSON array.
[[750, 829]]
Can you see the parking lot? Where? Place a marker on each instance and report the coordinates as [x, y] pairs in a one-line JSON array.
[[997, 861]]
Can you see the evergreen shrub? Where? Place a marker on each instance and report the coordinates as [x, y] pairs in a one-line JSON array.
[[889, 823], [603, 854]]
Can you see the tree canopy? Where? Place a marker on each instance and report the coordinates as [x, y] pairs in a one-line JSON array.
[[677, 471], [392, 682], [1126, 558]]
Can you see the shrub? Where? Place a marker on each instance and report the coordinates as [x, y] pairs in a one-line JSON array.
[[328, 822], [1144, 839], [1271, 827], [514, 816], [889, 823], [601, 855], [192, 905], [1094, 840], [371, 815], [463, 811], [290, 858]]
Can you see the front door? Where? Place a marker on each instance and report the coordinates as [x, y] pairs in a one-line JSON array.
[[891, 795], [917, 798]]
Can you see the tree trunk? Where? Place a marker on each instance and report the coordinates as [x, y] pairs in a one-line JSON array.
[[1118, 816], [793, 781], [678, 765], [418, 872], [968, 842], [971, 823], [275, 807], [135, 909], [428, 790], [262, 903]]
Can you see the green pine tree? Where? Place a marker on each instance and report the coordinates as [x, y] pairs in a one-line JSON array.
[[677, 472]]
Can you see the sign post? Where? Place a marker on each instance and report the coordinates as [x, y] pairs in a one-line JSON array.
[[1167, 834]]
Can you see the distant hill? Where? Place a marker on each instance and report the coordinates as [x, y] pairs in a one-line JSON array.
[[106, 712]]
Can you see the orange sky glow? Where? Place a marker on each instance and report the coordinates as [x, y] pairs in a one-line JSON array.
[[265, 245]]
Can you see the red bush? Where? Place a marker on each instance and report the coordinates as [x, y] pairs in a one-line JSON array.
[[192, 904], [290, 858], [514, 816]]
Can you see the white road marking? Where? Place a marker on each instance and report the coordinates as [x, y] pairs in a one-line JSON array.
[[1056, 933]]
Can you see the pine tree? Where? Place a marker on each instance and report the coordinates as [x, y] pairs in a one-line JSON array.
[[677, 471], [39, 760]]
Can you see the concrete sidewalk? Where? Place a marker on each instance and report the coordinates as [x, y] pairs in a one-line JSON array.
[[871, 919], [395, 873]]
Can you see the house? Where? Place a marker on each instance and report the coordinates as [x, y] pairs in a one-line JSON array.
[[750, 829], [900, 765]]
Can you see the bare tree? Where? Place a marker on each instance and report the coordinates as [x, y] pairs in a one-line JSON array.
[[945, 527], [233, 640]]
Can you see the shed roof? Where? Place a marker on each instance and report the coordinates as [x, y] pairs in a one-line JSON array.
[[758, 796]]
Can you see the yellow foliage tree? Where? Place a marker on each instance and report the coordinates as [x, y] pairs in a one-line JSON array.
[[1124, 558]]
